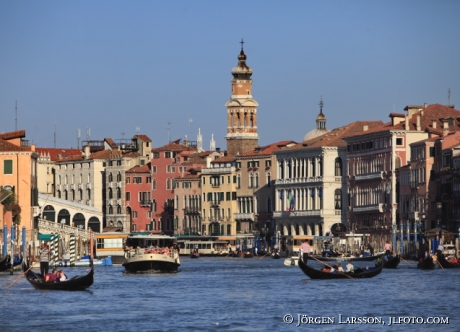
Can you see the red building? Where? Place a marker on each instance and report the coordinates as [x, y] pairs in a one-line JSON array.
[[139, 205]]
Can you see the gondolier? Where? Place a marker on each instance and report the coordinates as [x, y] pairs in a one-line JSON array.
[[44, 259], [305, 249]]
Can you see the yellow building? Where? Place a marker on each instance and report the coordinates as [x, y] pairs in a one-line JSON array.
[[218, 186], [18, 174]]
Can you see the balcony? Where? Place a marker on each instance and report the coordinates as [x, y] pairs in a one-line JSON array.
[[145, 202], [244, 216], [215, 203], [191, 210], [217, 170], [88, 186], [369, 176], [368, 208], [215, 185], [307, 213], [299, 180]]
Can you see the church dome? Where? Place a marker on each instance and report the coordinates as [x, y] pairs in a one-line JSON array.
[[242, 70], [320, 125]]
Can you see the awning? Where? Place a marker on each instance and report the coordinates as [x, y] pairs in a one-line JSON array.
[[44, 237], [303, 237], [226, 238]]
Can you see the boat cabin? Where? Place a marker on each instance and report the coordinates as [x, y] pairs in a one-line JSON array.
[[149, 241]]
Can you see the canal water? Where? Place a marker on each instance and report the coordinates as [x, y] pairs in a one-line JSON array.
[[235, 294]]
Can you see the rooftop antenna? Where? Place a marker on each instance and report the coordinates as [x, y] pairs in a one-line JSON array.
[[190, 121], [169, 137], [16, 116], [448, 96], [88, 133], [55, 135], [78, 137]]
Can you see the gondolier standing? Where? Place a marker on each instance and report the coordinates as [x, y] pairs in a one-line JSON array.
[[305, 249], [44, 259]]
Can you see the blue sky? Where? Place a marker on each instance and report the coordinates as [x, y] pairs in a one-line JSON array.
[[114, 66]]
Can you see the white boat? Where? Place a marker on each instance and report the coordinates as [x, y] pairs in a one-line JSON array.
[[85, 261], [150, 253], [292, 261]]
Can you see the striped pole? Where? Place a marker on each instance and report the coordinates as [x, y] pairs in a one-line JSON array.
[[72, 249], [51, 243], [56, 250]]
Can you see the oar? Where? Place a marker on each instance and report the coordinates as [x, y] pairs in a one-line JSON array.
[[20, 276], [405, 261], [264, 255], [331, 267], [437, 261]]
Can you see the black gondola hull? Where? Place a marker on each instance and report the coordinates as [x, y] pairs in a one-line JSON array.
[[152, 266], [317, 274], [426, 264], [392, 263], [73, 284]]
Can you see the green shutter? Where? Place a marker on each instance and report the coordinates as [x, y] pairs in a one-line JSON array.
[[8, 166]]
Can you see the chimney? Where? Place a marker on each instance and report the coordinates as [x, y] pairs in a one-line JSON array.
[[434, 124], [418, 123], [445, 127], [365, 127], [425, 105], [406, 125], [32, 147], [86, 152]]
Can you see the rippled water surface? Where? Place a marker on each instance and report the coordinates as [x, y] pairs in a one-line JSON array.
[[231, 294]]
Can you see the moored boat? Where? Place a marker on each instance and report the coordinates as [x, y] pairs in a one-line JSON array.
[[194, 255], [444, 263], [347, 258], [359, 273], [4, 263], [248, 254], [151, 253]]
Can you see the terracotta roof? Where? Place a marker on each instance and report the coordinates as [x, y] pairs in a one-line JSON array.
[[435, 112], [13, 134], [110, 142], [224, 159], [335, 136], [173, 146], [145, 138], [6, 146], [267, 150], [56, 154], [140, 169], [108, 154]]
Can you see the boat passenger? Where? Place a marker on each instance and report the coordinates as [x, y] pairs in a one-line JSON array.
[[62, 276], [339, 267], [350, 267], [440, 249], [371, 249]]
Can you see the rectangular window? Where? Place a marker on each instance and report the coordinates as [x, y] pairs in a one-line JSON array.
[[233, 195], [128, 196], [227, 196], [128, 179], [8, 166], [399, 141]]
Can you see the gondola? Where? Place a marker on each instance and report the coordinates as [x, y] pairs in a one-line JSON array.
[[275, 255], [346, 258], [73, 284], [194, 255], [391, 263], [248, 254], [357, 274], [442, 261], [426, 264], [4, 263]]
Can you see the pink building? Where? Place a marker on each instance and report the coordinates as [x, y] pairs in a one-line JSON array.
[[138, 199]]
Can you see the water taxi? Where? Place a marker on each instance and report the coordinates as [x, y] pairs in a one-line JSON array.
[[150, 253]]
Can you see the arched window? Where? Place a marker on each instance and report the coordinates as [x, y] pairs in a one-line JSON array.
[[154, 184], [256, 180], [338, 167], [338, 199], [110, 193], [65, 195], [110, 209], [269, 179], [118, 177], [59, 194], [110, 177], [168, 184], [118, 193], [118, 209]]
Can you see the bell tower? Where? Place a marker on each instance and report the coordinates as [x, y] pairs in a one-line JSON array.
[[241, 110]]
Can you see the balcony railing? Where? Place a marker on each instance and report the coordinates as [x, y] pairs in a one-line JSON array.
[[215, 203], [369, 208], [244, 216], [369, 176], [217, 170], [278, 214], [145, 202], [191, 210], [299, 180]]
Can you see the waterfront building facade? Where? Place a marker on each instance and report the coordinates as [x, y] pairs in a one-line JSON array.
[[138, 201], [18, 178], [374, 157], [311, 187], [256, 173]]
